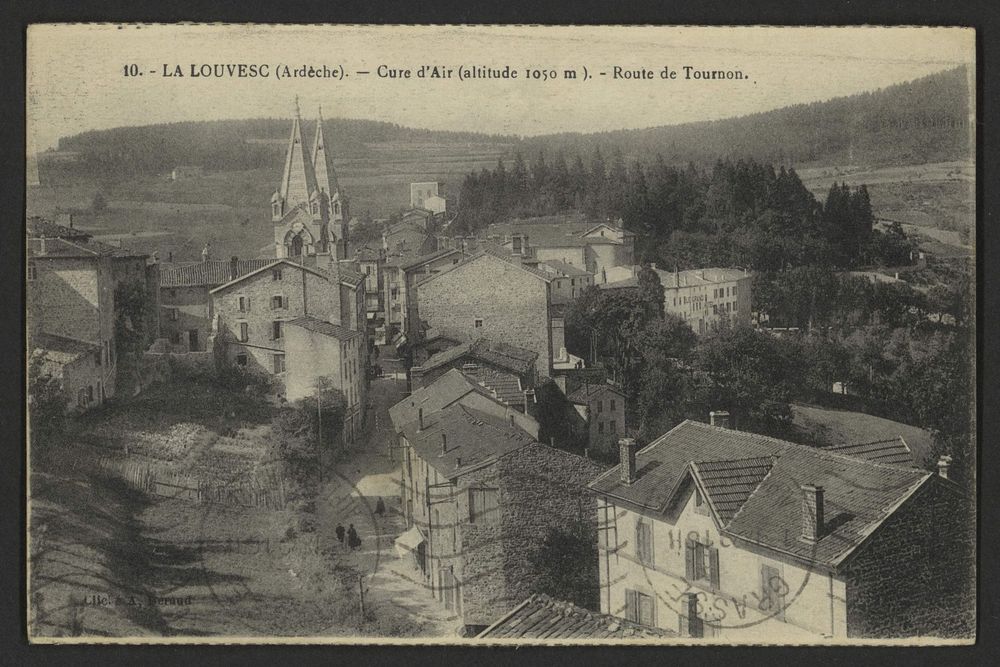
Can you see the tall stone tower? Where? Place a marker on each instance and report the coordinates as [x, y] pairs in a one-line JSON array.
[[308, 210]]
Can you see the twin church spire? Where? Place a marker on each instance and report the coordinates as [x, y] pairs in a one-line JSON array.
[[307, 208]]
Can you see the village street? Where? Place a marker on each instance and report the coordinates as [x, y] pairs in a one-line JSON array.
[[350, 496]]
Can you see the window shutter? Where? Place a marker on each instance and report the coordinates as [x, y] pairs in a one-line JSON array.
[[646, 610], [631, 606], [713, 557], [689, 555], [248, 304]]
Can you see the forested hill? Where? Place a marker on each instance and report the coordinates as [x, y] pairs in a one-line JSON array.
[[925, 120], [234, 144]]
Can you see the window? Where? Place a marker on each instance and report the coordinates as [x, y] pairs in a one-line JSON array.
[[241, 359], [81, 398], [482, 506], [600, 427], [478, 323], [701, 563], [175, 337], [278, 302], [173, 314], [276, 209], [613, 425], [90, 393], [279, 363], [276, 330], [244, 302], [572, 281], [244, 332], [644, 541], [639, 608], [700, 506], [276, 274], [613, 405], [734, 289], [32, 271], [600, 407]]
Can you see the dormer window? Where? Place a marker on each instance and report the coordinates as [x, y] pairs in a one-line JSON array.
[[276, 209]]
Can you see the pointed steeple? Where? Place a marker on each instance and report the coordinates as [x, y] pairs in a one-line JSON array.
[[326, 177], [299, 180]]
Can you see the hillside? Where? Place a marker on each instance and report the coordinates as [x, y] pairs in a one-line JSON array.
[[925, 120]]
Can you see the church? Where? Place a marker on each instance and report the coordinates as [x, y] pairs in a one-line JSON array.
[[308, 211]]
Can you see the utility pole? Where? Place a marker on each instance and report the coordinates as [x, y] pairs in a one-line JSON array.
[[361, 591]]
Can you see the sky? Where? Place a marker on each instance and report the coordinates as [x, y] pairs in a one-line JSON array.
[[76, 78]]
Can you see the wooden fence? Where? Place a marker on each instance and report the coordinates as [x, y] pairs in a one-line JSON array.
[[263, 491]]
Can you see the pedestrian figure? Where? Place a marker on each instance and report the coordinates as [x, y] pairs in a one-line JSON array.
[[340, 533], [380, 507], [353, 541]]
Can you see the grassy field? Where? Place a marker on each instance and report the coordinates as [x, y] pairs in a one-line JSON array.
[[935, 202], [827, 426], [230, 210]]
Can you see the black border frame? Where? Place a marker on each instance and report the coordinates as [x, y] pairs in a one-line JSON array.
[[19, 13]]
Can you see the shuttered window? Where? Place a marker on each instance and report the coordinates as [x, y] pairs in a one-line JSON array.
[[640, 608], [482, 506], [701, 563], [644, 541]]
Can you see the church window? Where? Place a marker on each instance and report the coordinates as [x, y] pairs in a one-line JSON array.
[[244, 332], [276, 208], [315, 208]]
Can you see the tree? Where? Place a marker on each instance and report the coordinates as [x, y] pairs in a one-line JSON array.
[[650, 292], [309, 432], [555, 418], [46, 404], [567, 565]]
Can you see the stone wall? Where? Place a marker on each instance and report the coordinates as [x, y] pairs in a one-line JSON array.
[[916, 575], [539, 489], [509, 303]]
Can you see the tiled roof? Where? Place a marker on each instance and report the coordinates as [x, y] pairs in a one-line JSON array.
[[441, 393], [310, 323], [564, 268], [506, 387], [38, 227], [57, 351], [588, 391], [729, 483], [620, 284], [61, 247], [459, 438], [542, 617], [210, 273], [693, 277], [893, 451], [516, 359], [859, 494], [411, 262]]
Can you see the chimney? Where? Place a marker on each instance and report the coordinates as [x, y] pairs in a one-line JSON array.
[[942, 465], [234, 270], [812, 512], [420, 419], [627, 448], [444, 443], [529, 399], [719, 418]]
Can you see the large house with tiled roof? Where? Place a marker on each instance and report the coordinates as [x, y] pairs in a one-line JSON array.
[[590, 245], [480, 496], [718, 533], [601, 409], [252, 313], [71, 286], [492, 295]]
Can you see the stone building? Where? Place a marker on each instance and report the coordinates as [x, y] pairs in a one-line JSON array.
[[316, 349], [480, 496], [701, 297], [401, 276], [586, 244], [601, 409], [717, 533], [494, 296], [568, 281], [429, 196], [77, 365], [309, 213], [71, 287], [185, 303], [252, 311], [506, 370]]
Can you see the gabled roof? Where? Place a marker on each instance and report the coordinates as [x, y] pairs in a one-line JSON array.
[[859, 494], [272, 263], [543, 617], [564, 268], [420, 260], [38, 227], [57, 351], [458, 439], [893, 451], [441, 393], [489, 253], [587, 391], [316, 325], [511, 357], [728, 484], [61, 247], [210, 273]]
